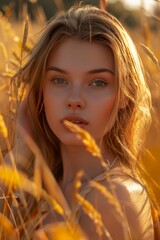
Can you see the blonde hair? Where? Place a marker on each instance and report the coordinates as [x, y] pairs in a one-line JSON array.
[[88, 23]]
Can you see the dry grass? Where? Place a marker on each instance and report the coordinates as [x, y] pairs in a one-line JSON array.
[[13, 48], [148, 45]]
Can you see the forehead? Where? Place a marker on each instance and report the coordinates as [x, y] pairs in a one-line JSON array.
[[72, 54]]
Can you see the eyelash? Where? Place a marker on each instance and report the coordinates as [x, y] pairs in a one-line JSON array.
[[58, 83], [104, 83], [62, 81]]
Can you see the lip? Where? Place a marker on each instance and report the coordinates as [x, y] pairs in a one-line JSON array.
[[73, 119]]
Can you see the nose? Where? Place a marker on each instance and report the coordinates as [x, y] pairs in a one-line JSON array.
[[75, 100]]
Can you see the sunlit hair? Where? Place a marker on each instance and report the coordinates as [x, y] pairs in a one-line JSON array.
[[131, 113]]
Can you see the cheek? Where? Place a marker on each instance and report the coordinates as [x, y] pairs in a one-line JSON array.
[[108, 107], [50, 98]]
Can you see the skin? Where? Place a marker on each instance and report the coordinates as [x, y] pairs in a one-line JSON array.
[[77, 91], [79, 81]]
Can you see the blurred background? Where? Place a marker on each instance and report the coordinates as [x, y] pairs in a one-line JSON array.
[[140, 17], [40, 9]]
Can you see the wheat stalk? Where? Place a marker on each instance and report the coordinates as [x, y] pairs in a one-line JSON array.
[[6, 225], [87, 140], [109, 196], [151, 55], [3, 128]]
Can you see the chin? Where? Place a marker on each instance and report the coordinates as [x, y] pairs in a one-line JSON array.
[[71, 141]]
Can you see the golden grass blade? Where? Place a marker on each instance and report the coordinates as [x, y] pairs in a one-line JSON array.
[[109, 196], [3, 128], [60, 231], [87, 206], [7, 227], [48, 179], [53, 190], [1, 158], [155, 214], [151, 55], [21, 91], [152, 15], [27, 48], [7, 75], [16, 56], [77, 182], [76, 186], [91, 212], [5, 54], [7, 211], [15, 179], [53, 203], [37, 177], [4, 51], [25, 34], [14, 63], [94, 215], [87, 140], [115, 203], [41, 235]]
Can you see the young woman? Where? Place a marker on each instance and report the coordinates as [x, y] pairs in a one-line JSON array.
[[85, 69]]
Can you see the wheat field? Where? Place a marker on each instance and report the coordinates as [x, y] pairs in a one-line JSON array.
[[16, 40]]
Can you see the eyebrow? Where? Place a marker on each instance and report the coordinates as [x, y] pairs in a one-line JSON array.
[[98, 70]]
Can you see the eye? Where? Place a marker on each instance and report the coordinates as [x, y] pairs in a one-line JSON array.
[[59, 81], [98, 83]]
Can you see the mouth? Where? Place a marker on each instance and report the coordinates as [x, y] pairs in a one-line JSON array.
[[76, 120]]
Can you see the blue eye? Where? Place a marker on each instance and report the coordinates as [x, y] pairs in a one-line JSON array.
[[99, 83], [59, 81]]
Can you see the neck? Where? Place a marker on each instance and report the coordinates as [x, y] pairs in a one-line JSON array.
[[76, 158]]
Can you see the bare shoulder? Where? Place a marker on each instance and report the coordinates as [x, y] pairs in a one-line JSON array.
[[124, 206]]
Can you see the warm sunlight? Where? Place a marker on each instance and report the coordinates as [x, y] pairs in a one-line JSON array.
[[147, 4], [79, 119]]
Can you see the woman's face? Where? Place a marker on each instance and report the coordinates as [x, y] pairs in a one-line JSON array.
[[79, 86]]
